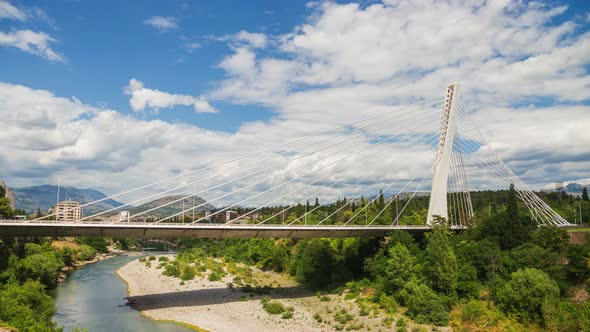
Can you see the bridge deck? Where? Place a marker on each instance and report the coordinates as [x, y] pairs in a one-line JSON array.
[[177, 230]]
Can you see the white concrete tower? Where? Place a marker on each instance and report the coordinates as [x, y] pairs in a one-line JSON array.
[[438, 195]]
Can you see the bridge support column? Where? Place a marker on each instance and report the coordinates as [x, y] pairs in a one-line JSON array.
[[437, 205]]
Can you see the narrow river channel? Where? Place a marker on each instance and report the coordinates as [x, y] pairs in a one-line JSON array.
[[91, 298]]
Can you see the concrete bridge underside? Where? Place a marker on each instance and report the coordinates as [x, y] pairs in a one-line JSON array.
[[151, 230]]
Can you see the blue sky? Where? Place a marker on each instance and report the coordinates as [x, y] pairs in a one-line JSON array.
[[106, 43], [83, 84]]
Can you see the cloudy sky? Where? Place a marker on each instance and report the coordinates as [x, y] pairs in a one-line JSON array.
[[112, 95]]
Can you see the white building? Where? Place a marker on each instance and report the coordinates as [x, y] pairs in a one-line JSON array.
[[67, 211]]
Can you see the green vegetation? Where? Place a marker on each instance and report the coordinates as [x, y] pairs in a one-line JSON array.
[[27, 270], [503, 273]]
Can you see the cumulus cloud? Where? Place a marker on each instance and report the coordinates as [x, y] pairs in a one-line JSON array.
[[524, 74], [37, 43], [347, 59], [161, 23], [8, 11], [142, 98]]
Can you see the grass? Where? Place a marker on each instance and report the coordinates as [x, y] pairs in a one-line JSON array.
[[579, 230]]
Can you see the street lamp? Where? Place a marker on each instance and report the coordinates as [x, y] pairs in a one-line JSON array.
[[580, 211]]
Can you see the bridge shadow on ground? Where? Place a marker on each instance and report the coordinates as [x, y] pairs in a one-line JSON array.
[[210, 296]]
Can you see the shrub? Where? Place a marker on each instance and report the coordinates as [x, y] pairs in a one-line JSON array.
[[152, 258], [163, 259], [473, 310], [214, 277], [402, 326], [27, 307], [98, 243], [318, 317], [187, 272], [424, 305], [388, 303], [273, 308], [172, 270], [526, 292], [86, 252]]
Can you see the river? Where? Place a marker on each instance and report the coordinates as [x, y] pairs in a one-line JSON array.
[[91, 298]]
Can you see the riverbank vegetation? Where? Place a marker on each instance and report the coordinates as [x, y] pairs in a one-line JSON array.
[[502, 273], [28, 270]]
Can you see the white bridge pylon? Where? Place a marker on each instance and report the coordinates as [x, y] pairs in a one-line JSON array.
[[449, 170], [437, 206]]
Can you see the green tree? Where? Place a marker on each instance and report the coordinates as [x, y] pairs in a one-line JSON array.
[[400, 268], [313, 263], [424, 305], [381, 201], [585, 194], [5, 209], [27, 307], [577, 266], [441, 262], [551, 237], [525, 294]]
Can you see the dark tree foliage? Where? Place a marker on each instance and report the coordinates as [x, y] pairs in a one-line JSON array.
[[585, 195], [577, 266], [314, 263], [441, 262]]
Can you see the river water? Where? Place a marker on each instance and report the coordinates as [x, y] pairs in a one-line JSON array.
[[91, 298]]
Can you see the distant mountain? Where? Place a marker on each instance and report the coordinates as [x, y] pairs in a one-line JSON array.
[[574, 188], [173, 208], [45, 196]]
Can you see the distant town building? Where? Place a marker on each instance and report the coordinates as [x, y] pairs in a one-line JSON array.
[[120, 217], [67, 211], [213, 216]]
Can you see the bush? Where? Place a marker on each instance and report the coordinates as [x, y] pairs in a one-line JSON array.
[[67, 255], [214, 277], [560, 315], [388, 303], [86, 252], [424, 305], [98, 243], [152, 258], [318, 317], [172, 270], [473, 310], [272, 308], [525, 294], [44, 267], [27, 307], [187, 272], [163, 259]]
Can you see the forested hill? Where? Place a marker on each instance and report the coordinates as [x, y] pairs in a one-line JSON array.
[[175, 205], [44, 197]]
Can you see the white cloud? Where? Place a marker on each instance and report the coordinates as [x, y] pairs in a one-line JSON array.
[[346, 59], [257, 40], [8, 11], [161, 23], [345, 62], [142, 98], [191, 46], [37, 43]]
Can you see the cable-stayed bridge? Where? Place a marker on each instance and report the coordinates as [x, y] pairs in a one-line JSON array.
[[430, 146]]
